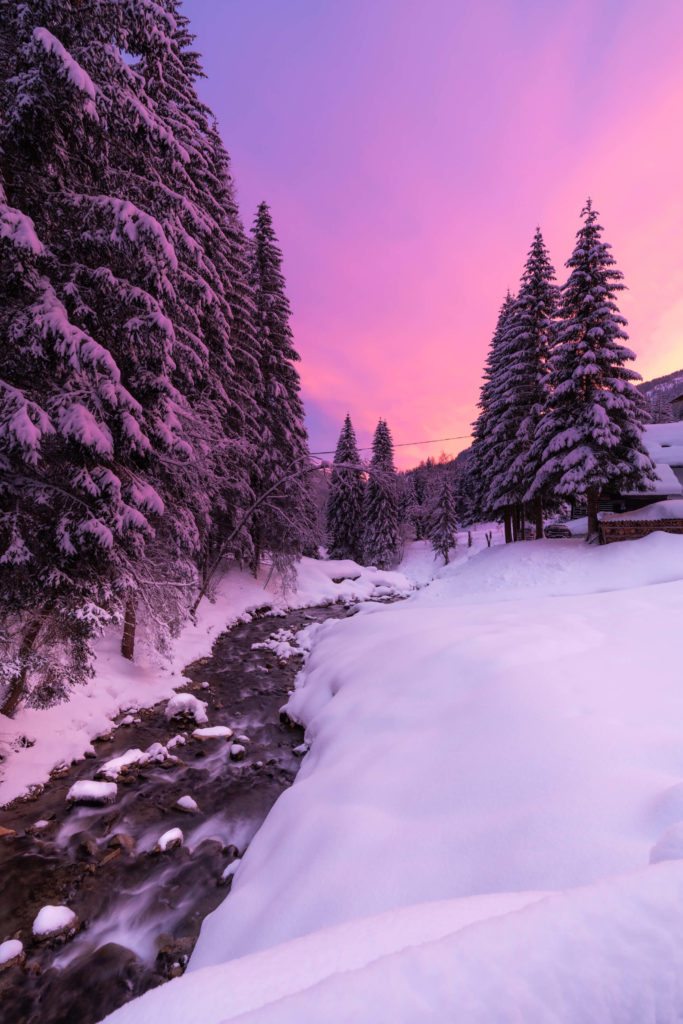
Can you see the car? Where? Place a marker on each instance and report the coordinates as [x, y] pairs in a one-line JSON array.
[[555, 530]]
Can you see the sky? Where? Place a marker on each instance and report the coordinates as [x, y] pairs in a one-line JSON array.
[[408, 150]]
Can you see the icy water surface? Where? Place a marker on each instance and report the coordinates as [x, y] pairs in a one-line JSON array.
[[140, 911]]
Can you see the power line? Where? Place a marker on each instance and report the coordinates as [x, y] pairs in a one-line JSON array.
[[407, 444]]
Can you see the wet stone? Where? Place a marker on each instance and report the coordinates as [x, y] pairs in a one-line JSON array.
[[123, 842]]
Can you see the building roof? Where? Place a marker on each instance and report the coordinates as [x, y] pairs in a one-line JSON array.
[[664, 442]]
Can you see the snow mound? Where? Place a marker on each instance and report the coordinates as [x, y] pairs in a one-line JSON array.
[[51, 920], [186, 803], [213, 732], [187, 704], [10, 950], [113, 768], [280, 643], [87, 792], [174, 837]]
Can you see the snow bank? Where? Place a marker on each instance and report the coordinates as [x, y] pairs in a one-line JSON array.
[[514, 727], [611, 952], [509, 572], [36, 740]]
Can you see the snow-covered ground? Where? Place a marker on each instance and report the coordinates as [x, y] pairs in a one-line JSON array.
[[36, 741], [488, 825]]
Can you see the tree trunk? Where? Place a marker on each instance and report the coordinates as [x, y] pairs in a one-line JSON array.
[[522, 522], [128, 638], [593, 505], [17, 685], [257, 554], [507, 519], [538, 515], [515, 523]]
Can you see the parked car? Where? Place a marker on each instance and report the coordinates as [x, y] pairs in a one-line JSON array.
[[555, 530]]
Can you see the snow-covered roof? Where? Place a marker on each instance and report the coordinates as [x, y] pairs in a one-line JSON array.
[[657, 512], [664, 441], [667, 482]]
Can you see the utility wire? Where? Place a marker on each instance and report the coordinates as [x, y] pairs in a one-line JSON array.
[[407, 444]]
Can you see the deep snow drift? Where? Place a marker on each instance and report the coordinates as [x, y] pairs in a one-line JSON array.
[[494, 764]]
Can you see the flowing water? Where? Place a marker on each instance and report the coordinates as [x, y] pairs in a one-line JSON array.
[[140, 911]]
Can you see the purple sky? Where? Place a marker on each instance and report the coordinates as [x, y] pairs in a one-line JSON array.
[[409, 148]]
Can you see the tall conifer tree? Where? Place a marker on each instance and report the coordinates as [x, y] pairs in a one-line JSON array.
[[381, 534], [487, 442], [345, 499], [589, 439], [443, 525], [521, 382], [287, 523]]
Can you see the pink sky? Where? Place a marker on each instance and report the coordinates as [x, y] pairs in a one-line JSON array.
[[409, 148]]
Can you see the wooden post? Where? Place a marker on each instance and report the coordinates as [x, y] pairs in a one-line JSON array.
[[128, 638]]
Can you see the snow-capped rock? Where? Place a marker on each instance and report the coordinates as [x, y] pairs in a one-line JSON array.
[[53, 920], [189, 705], [89, 792]]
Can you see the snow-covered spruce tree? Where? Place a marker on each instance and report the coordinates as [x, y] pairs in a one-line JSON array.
[[443, 525], [102, 505], [487, 443], [216, 351], [286, 525], [521, 385], [66, 510], [415, 499], [345, 499], [381, 534], [589, 439]]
